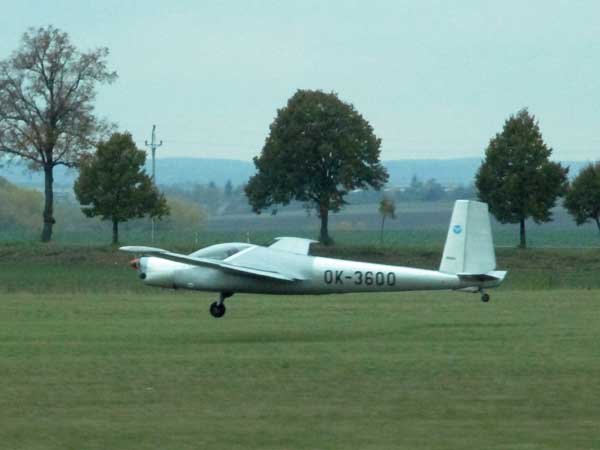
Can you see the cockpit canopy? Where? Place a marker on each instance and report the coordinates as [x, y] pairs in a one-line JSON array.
[[221, 251]]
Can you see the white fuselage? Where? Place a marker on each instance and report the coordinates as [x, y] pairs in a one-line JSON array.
[[317, 276]]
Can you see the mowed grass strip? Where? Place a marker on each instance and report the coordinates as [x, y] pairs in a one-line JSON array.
[[56, 268], [410, 370]]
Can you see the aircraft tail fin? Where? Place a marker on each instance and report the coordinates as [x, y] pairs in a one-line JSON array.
[[469, 248]]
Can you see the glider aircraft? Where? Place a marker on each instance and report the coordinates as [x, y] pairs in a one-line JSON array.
[[285, 267]]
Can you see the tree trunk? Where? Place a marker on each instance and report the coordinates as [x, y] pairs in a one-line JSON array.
[[115, 239], [48, 203], [598, 222], [381, 233], [324, 215], [523, 243]]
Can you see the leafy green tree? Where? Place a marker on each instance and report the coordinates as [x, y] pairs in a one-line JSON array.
[[517, 180], [47, 92], [387, 208], [112, 184], [318, 149], [583, 197]]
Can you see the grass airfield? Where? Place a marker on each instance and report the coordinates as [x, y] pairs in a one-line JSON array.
[[383, 371], [117, 365]]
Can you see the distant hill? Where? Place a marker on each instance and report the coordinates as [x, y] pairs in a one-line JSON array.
[[19, 175], [182, 171], [445, 171], [169, 171], [460, 171], [174, 171]]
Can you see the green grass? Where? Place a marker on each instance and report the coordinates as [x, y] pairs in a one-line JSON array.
[[413, 370], [74, 268], [92, 359]]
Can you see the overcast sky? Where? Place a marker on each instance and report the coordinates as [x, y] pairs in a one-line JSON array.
[[436, 79]]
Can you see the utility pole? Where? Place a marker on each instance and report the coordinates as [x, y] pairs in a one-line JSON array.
[[153, 146]]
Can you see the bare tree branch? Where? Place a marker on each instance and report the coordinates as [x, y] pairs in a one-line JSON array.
[[47, 89], [20, 153]]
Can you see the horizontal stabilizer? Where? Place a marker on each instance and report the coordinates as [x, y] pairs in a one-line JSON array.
[[495, 275]]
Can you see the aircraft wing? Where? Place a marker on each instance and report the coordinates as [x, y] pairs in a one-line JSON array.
[[205, 262], [299, 246]]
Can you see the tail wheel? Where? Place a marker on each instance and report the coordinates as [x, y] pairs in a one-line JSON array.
[[485, 298]]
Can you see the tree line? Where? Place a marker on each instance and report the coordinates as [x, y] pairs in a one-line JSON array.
[[319, 149], [20, 211]]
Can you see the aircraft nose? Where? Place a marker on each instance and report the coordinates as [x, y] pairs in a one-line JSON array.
[[135, 264]]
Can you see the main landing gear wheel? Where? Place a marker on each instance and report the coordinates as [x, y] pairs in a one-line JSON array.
[[485, 298], [217, 309]]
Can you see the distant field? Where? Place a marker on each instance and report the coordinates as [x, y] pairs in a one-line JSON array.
[[418, 225]]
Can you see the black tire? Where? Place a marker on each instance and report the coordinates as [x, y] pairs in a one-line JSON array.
[[217, 310], [485, 298]]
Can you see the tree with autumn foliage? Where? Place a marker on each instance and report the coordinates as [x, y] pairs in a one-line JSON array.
[[47, 93]]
